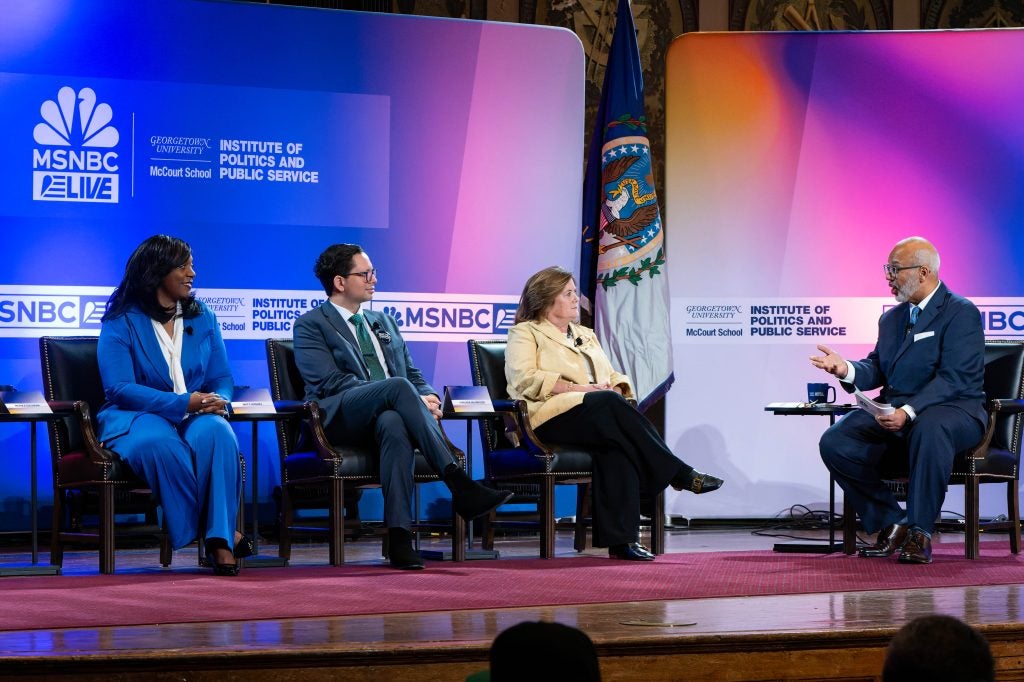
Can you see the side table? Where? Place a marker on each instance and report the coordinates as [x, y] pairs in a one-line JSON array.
[[830, 410], [471, 554], [256, 561], [35, 568]]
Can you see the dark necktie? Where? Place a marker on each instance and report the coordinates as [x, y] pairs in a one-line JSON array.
[[367, 349], [914, 313]]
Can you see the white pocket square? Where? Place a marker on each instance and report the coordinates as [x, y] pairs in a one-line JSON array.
[[923, 335]]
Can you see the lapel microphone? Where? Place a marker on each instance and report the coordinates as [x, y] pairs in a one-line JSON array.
[[382, 334], [578, 341], [188, 330]]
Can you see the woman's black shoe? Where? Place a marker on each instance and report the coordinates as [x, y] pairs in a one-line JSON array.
[[226, 569], [696, 482], [212, 547], [244, 548], [630, 552]]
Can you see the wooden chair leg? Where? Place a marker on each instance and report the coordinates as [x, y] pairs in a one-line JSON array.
[[973, 514], [1013, 512], [487, 530], [583, 505], [165, 544], [658, 524], [458, 538], [546, 511], [106, 529], [849, 528], [336, 524], [56, 528], [284, 547]]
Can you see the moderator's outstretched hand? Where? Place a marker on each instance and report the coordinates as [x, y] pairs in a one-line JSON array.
[[832, 362]]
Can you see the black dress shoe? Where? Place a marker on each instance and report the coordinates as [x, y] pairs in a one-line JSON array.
[[401, 554], [244, 548], [889, 541], [696, 482], [917, 549], [470, 498], [630, 552]]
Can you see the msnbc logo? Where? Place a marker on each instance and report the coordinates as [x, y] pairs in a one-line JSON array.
[[451, 317], [75, 160]]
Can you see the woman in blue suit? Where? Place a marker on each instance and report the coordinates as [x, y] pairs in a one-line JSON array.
[[168, 388]]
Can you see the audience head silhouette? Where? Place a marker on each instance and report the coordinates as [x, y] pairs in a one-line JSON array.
[[938, 649], [538, 651]]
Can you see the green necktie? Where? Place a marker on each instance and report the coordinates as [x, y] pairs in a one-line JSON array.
[[367, 349]]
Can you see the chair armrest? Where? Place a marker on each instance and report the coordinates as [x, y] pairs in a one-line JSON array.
[[290, 406], [524, 431], [324, 449], [504, 405], [62, 406], [309, 411], [1007, 406], [994, 407], [79, 409]]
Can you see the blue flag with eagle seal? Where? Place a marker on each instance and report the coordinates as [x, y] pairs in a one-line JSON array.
[[622, 261]]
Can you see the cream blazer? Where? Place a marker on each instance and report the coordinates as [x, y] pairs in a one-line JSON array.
[[538, 355]]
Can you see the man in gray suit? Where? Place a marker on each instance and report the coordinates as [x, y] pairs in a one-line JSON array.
[[356, 365], [930, 364]]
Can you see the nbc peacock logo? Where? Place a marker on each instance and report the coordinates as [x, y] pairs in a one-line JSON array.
[[74, 159]]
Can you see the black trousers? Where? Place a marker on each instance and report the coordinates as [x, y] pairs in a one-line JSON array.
[[629, 456]]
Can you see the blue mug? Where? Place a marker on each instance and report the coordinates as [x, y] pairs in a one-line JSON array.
[[818, 393]]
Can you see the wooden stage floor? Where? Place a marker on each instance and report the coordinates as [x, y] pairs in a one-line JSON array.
[[840, 636]]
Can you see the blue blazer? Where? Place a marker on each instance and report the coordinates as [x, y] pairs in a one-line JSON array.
[[945, 365], [330, 362], [137, 380]]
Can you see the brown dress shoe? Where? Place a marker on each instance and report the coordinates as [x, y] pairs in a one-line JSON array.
[[889, 541], [917, 550]]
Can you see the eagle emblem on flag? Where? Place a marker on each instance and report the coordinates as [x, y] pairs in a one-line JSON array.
[[630, 221]]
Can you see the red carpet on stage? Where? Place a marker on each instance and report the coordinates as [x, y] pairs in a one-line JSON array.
[[177, 597]]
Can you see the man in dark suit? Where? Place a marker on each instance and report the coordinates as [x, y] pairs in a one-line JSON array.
[[357, 367], [929, 361]]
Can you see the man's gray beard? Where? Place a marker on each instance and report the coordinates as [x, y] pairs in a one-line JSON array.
[[903, 291]]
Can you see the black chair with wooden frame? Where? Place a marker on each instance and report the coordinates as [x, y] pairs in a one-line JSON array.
[[994, 459], [516, 459], [87, 477], [308, 460]]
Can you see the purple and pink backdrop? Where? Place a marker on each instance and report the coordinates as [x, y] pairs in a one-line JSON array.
[[794, 163]]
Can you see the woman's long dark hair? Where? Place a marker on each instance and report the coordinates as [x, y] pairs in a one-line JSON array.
[[143, 275]]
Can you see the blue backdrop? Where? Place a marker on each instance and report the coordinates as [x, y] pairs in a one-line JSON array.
[[451, 150]]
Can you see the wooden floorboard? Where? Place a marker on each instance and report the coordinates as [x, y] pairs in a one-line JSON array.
[[838, 636]]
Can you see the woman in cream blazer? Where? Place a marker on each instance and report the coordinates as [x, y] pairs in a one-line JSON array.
[[575, 397]]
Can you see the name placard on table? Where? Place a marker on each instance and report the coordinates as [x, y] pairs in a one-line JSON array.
[[253, 401], [23, 402], [467, 399]]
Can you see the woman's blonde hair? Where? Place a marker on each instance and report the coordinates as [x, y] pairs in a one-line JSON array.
[[540, 292]]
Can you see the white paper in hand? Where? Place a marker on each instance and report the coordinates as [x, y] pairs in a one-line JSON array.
[[869, 405]]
